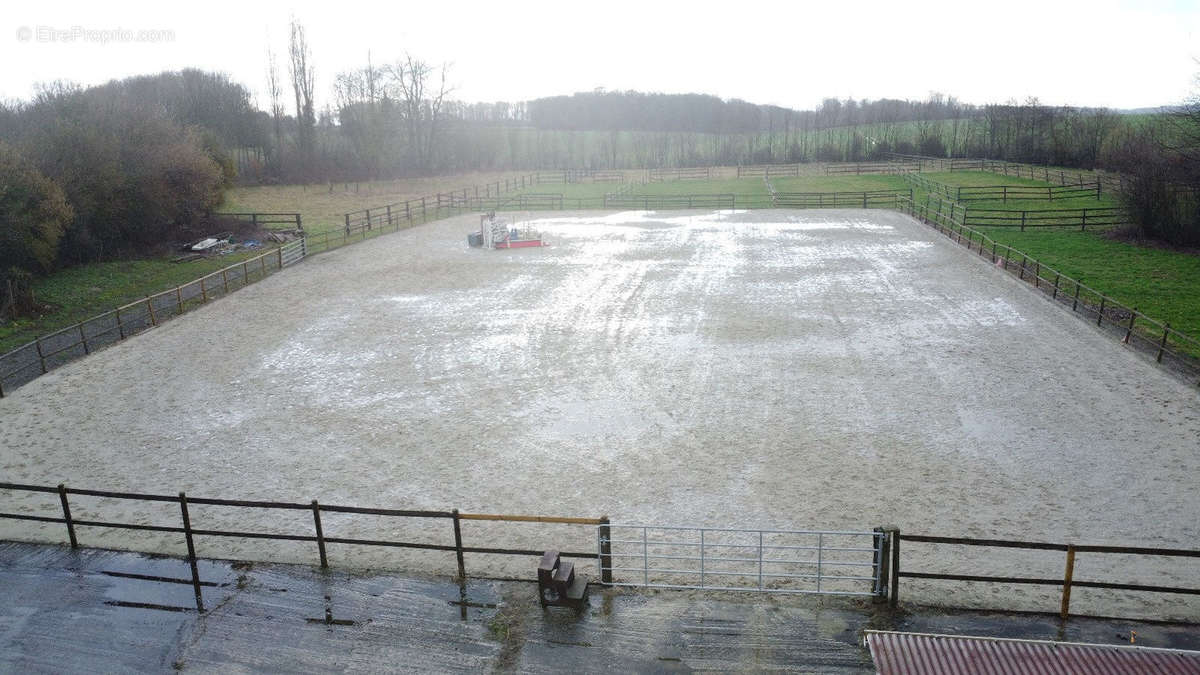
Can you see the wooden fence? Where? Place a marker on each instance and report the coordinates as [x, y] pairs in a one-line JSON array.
[[647, 202], [292, 220], [317, 537], [829, 200], [975, 193], [1081, 218], [695, 173], [454, 542], [1111, 182], [865, 168], [1066, 583], [1132, 327], [768, 170], [50, 351]]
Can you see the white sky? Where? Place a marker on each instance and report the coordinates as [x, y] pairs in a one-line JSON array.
[[1113, 53]]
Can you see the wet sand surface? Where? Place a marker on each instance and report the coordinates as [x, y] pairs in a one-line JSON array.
[[774, 369]]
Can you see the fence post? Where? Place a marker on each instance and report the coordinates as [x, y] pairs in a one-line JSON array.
[[62, 496], [41, 357], [1163, 344], [879, 562], [179, 296], [225, 278], [150, 309], [1083, 226], [1056, 278], [1067, 576], [1075, 302], [1021, 274], [1129, 330], [458, 546], [606, 573], [83, 340], [203, 290], [316, 509], [120, 326], [1037, 274], [1023, 221], [191, 547], [894, 594], [347, 216], [1100, 314]]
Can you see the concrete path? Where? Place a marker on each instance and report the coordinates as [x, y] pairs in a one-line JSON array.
[[106, 611]]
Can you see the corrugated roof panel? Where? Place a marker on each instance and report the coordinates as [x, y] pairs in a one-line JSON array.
[[911, 653]]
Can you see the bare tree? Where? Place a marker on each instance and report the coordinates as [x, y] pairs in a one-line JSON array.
[[421, 104], [301, 69], [275, 91]]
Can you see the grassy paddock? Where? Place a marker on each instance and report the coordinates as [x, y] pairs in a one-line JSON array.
[[322, 206], [82, 292], [1162, 283]]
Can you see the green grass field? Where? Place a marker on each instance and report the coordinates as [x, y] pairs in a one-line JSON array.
[[81, 292], [1163, 284]]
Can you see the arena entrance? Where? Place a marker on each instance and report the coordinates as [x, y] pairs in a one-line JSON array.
[[727, 559]]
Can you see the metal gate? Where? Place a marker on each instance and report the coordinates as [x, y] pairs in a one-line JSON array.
[[292, 252], [771, 561]]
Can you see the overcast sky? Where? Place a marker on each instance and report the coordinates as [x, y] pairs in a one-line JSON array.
[[1095, 53]]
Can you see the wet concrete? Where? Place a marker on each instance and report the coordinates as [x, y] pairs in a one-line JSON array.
[[768, 369], [93, 610]]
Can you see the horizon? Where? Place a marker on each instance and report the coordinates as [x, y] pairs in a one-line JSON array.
[[1111, 54]]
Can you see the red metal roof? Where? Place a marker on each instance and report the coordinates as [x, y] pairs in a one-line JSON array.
[[905, 653]]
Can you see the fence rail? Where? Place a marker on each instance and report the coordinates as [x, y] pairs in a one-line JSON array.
[[827, 562], [1130, 326], [291, 219], [768, 170], [647, 202], [864, 168], [317, 537], [695, 173], [1081, 218], [967, 193], [1067, 582], [866, 199]]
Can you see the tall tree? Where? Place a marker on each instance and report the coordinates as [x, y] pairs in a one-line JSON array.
[[301, 69], [275, 93]]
